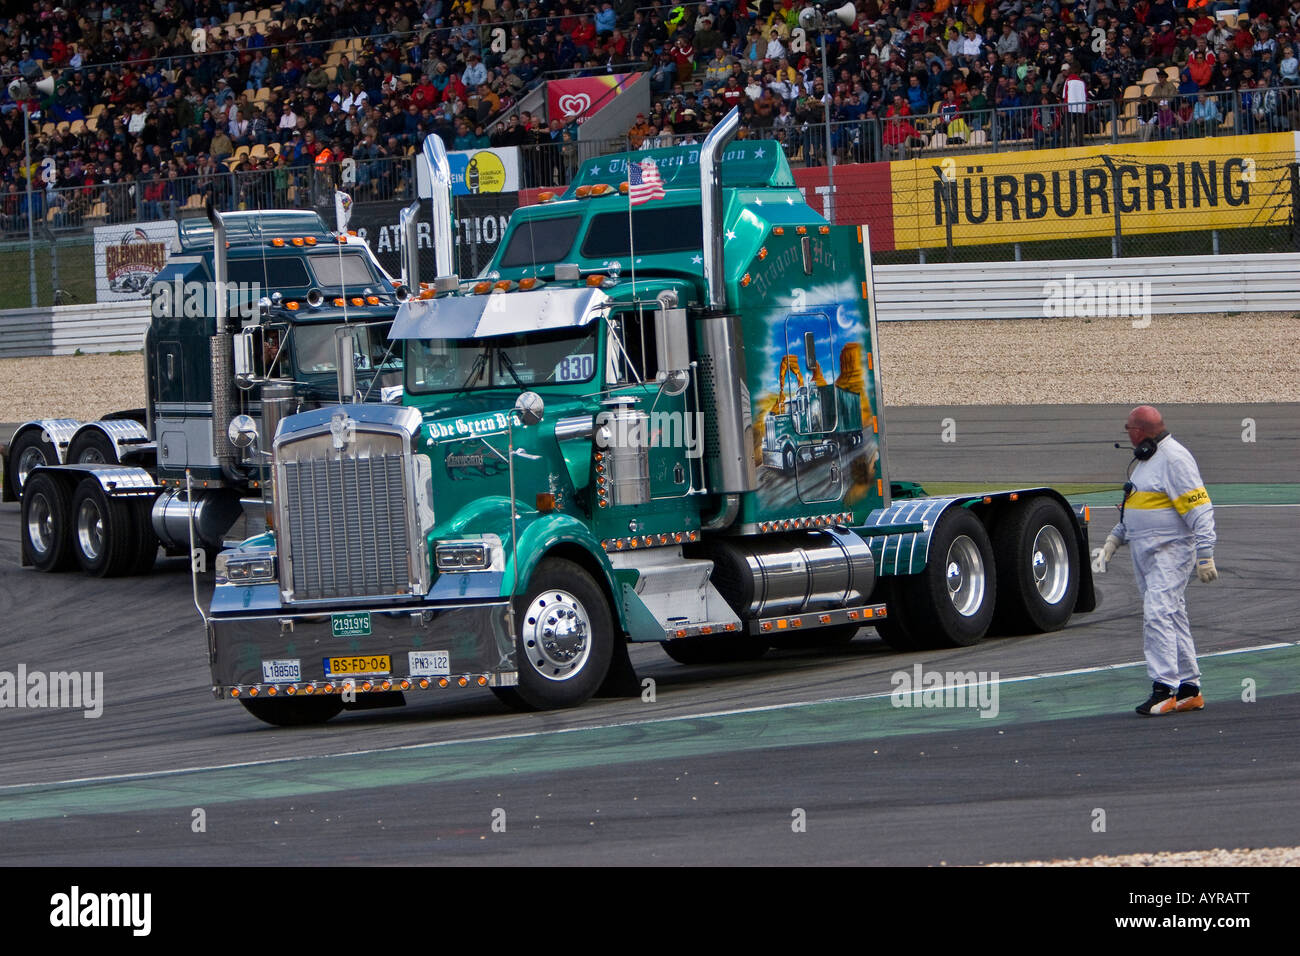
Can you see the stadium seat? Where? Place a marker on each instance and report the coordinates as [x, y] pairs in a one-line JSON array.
[[99, 211], [938, 141], [1174, 73], [1229, 123], [1150, 76], [979, 138]]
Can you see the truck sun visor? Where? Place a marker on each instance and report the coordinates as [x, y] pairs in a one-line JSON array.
[[502, 313]]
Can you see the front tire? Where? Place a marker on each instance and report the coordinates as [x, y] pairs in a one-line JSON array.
[[564, 639], [104, 537], [294, 711], [1037, 556], [44, 524], [950, 603]]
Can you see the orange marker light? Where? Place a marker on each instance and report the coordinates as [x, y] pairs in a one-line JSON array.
[[277, 242], [291, 306]]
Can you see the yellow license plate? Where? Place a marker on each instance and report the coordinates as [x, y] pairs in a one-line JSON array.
[[356, 666]]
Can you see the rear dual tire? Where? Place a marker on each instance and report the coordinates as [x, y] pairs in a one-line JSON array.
[[1035, 545], [949, 603], [1023, 580], [106, 536]]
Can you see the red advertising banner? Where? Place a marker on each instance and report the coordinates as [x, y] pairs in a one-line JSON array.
[[863, 196], [570, 100]]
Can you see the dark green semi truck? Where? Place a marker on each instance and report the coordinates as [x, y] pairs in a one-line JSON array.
[[591, 450], [243, 321]]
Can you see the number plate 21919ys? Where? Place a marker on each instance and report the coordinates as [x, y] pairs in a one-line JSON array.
[[351, 624]]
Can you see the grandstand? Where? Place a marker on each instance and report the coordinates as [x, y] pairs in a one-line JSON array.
[[158, 103]]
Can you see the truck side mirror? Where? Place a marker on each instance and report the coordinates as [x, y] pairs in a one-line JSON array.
[[672, 383], [530, 408], [672, 350], [345, 350], [247, 348], [242, 431]]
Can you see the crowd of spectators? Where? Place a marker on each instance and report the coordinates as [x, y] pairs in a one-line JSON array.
[[167, 96], [947, 73]]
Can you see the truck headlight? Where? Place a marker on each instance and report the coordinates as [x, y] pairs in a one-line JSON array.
[[464, 556], [235, 568]]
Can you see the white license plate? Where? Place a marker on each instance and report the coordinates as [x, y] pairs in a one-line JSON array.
[[430, 663], [274, 672]]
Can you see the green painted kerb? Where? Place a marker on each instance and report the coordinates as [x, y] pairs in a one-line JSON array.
[[1276, 672]]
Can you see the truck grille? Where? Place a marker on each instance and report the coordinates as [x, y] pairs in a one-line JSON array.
[[347, 526]]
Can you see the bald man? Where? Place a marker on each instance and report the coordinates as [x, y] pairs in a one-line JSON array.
[[1168, 520]]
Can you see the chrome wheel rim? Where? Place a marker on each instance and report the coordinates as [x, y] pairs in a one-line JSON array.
[[1050, 564], [90, 530], [556, 634], [40, 524], [29, 459], [964, 574], [92, 456]]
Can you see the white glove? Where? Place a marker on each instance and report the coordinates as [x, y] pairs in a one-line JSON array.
[[1206, 571], [1109, 548]]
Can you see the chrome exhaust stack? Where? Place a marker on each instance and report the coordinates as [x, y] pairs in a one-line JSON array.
[[222, 352], [409, 231], [711, 207], [444, 246]]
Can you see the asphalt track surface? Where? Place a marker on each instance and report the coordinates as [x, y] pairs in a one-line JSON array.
[[725, 760]]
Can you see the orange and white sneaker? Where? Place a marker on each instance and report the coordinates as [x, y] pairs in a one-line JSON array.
[[1189, 698], [1161, 701]]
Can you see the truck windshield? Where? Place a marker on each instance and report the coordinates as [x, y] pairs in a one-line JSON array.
[[562, 357], [655, 231], [537, 241], [313, 348], [351, 271]]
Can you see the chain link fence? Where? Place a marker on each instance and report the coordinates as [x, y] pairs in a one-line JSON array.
[[954, 198]]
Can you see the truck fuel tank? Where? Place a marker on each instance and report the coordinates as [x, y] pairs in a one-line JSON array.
[[791, 573]]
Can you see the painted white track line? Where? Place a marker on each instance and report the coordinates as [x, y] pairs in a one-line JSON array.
[[147, 774]]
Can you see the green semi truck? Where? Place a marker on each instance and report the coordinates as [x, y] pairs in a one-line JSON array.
[[596, 445]]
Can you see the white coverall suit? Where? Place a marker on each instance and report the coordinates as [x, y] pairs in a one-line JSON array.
[[1169, 522]]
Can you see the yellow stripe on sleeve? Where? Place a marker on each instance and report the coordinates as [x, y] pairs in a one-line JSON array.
[[1193, 499]]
